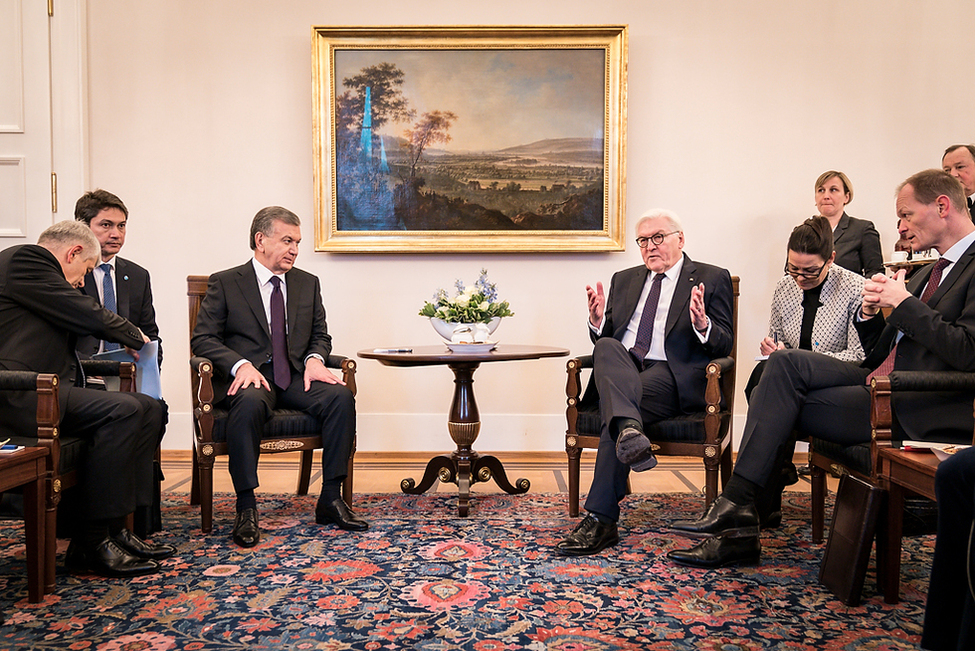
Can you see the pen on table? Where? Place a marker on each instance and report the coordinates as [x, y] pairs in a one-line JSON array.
[[392, 350]]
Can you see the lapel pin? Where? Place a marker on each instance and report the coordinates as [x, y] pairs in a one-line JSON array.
[[125, 277]]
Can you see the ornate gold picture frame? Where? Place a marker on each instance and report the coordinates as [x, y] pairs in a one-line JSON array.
[[452, 139]]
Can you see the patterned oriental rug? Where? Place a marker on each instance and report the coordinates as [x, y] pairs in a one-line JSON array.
[[424, 578]]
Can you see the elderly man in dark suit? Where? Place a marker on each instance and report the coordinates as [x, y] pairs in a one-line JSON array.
[[959, 161], [931, 327], [41, 315], [123, 287], [262, 324], [661, 324]]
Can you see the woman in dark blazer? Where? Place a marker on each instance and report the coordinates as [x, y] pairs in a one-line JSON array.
[[856, 241]]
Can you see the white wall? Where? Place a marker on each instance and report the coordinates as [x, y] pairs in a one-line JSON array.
[[200, 114]]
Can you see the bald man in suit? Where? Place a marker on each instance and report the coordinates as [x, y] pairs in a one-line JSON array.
[[261, 366]]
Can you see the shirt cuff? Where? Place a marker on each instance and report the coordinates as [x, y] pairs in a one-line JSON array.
[[703, 336]]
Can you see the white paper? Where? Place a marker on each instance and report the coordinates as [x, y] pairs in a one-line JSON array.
[[147, 368]]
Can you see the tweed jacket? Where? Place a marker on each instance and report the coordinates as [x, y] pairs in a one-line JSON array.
[[834, 331]]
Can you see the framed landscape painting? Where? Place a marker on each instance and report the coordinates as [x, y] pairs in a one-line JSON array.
[[454, 139]]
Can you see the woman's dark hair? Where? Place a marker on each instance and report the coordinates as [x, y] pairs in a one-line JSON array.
[[814, 236]]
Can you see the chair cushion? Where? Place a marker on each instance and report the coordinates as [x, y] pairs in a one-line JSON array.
[[687, 428], [285, 423], [853, 457]]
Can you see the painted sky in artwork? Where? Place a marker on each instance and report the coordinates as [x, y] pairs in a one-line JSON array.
[[502, 98]]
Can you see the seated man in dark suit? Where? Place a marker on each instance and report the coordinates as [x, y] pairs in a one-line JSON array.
[[931, 327], [262, 324], [655, 334], [949, 616], [123, 287], [41, 315]]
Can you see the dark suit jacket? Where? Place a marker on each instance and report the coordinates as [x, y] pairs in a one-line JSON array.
[[686, 355], [857, 246], [232, 324], [133, 297], [41, 317], [938, 336]]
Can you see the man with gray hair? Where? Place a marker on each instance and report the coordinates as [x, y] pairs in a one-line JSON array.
[[42, 313], [262, 324], [654, 335]]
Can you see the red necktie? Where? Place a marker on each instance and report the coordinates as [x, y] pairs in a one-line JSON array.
[[644, 332], [933, 281], [279, 342]]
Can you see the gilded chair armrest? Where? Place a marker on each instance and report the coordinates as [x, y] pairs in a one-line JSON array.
[[48, 409], [724, 364], [348, 367], [713, 393]]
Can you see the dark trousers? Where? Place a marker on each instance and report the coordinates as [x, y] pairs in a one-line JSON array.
[[949, 617], [332, 405], [816, 394], [122, 431], [647, 395]]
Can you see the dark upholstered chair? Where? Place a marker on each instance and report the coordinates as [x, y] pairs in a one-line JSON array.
[[706, 434], [861, 460], [65, 452], [287, 431]]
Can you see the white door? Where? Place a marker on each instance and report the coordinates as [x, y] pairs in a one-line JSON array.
[[38, 135], [25, 121]]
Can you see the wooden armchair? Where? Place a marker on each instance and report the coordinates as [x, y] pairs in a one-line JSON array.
[[706, 434], [287, 431], [861, 460], [65, 452]]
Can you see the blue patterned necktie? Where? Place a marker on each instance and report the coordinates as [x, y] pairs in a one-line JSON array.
[[279, 342], [644, 332], [108, 294]]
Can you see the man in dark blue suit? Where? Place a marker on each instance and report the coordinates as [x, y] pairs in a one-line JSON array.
[[655, 333], [931, 327], [108, 218], [262, 324], [129, 296]]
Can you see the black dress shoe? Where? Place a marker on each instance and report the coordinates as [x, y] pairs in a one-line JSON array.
[[247, 532], [107, 558], [720, 551], [724, 518], [589, 537], [141, 548], [635, 450], [338, 512]]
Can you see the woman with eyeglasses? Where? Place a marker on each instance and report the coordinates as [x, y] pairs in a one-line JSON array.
[[813, 308], [856, 241]]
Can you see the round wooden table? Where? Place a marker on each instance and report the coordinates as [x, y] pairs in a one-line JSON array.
[[464, 466]]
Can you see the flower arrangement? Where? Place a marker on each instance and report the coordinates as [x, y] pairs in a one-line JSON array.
[[475, 304]]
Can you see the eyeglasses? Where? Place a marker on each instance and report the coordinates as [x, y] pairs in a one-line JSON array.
[[656, 238], [798, 273]]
